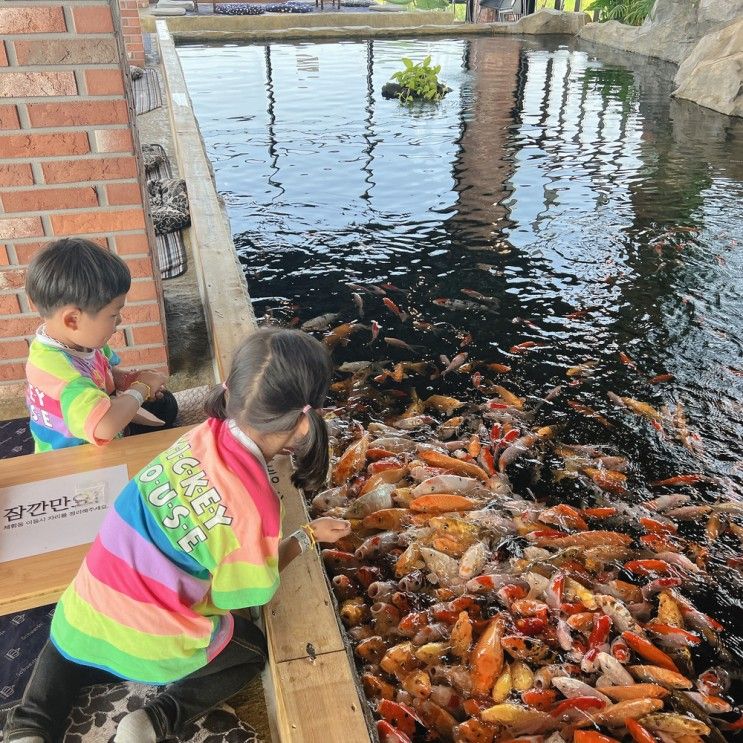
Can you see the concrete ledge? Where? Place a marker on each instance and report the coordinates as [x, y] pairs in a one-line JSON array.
[[215, 28], [222, 286], [333, 32], [282, 21]]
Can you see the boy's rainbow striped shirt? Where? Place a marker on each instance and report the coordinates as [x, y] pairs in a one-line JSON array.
[[67, 392], [193, 535]]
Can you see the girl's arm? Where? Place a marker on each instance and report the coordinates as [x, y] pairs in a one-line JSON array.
[[325, 529]]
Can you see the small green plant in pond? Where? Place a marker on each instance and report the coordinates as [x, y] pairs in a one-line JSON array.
[[632, 12], [419, 81]]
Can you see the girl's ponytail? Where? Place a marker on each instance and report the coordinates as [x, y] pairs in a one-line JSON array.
[[313, 458], [215, 404]]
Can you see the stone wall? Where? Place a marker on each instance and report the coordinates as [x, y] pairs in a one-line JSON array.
[[671, 31], [70, 164]]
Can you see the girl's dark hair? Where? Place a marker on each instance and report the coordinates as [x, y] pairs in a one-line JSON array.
[[274, 374], [76, 271]]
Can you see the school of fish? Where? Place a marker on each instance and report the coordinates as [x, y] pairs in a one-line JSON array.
[[477, 612]]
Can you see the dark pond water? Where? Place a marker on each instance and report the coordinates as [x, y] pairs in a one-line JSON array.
[[602, 215]]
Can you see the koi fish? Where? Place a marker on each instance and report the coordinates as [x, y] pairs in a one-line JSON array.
[[395, 310], [374, 332], [397, 343], [460, 305], [455, 363], [637, 406], [341, 335], [525, 346], [480, 297], [359, 304], [691, 479], [319, 323]]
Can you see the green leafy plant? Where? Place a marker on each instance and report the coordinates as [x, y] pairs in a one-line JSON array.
[[632, 12], [419, 81]]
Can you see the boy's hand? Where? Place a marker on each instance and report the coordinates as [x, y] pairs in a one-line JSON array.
[[329, 530], [154, 380], [123, 379]]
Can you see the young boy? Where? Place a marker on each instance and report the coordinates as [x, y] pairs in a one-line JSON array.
[[79, 289]]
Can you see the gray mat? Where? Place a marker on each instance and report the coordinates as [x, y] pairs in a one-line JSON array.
[[147, 93]]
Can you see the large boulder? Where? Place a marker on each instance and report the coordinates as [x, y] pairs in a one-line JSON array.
[[547, 21], [671, 31], [712, 75]]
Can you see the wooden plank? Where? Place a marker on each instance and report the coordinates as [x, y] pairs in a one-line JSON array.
[[40, 579], [318, 702], [289, 631]]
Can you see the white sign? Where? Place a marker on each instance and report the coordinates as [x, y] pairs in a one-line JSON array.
[[56, 513]]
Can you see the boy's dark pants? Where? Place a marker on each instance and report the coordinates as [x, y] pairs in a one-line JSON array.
[[55, 683]]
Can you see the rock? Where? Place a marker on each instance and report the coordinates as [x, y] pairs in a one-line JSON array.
[[393, 90], [670, 32], [712, 75], [547, 21]]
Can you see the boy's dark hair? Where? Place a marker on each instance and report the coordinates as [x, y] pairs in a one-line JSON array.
[[75, 271], [275, 373]]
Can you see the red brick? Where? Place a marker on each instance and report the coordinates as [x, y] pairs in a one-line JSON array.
[[3, 55], [17, 227], [26, 251], [28, 20], [80, 113], [117, 340], [16, 175], [120, 194], [93, 169], [142, 290], [13, 349], [12, 278], [104, 82], [113, 140], [132, 314], [132, 244], [98, 221], [37, 84], [139, 267], [147, 334], [44, 145], [138, 357], [43, 199], [18, 326], [9, 118], [96, 20], [4, 260], [14, 372], [67, 51], [9, 305]]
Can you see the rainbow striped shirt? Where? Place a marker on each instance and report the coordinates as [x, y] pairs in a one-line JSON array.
[[67, 392], [192, 536]]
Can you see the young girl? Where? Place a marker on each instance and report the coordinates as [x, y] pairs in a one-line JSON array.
[[194, 535]]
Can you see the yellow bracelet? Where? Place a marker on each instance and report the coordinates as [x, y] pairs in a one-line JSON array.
[[307, 529], [145, 385]]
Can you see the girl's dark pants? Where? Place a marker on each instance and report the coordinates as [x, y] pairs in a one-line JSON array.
[[56, 681]]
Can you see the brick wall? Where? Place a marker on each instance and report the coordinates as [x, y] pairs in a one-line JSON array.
[[132, 30], [70, 165]]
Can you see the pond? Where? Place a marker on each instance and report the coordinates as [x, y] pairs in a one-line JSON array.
[[556, 190]]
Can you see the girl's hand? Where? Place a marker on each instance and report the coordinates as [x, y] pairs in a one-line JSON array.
[[329, 530]]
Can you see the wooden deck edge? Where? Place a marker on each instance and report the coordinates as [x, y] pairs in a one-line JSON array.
[[317, 693]]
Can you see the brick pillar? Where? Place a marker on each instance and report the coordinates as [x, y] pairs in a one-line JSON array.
[[132, 29], [70, 164]]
